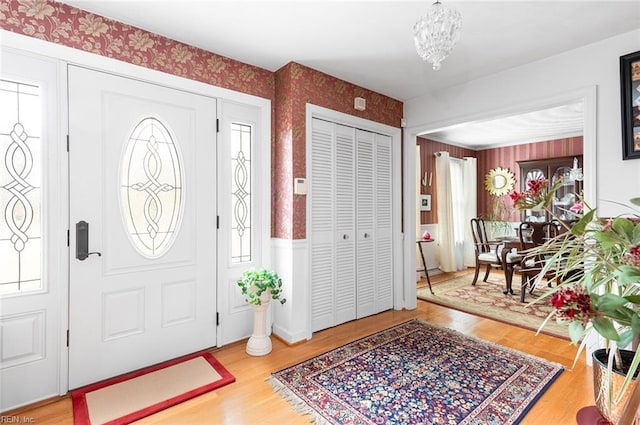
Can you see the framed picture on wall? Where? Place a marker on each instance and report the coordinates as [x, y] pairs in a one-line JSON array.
[[630, 96], [425, 202]]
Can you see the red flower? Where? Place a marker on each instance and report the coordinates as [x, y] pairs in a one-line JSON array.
[[536, 186], [572, 304]]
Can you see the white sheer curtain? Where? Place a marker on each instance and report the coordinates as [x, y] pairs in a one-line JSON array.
[[470, 208], [418, 203], [457, 199], [446, 236]]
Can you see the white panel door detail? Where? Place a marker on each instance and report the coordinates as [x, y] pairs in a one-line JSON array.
[[132, 307], [32, 233]]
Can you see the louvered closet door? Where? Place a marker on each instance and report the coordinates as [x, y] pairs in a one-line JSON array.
[[374, 255], [383, 279], [332, 225], [345, 237], [365, 219]]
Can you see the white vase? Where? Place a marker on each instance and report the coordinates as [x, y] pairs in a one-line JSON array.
[[259, 343]]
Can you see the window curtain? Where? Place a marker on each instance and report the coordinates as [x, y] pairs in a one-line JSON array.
[[470, 208], [418, 201], [446, 226], [457, 202]]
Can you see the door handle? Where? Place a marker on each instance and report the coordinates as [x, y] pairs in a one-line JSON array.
[[82, 241]]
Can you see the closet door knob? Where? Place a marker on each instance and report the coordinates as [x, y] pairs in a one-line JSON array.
[[345, 236], [366, 235]]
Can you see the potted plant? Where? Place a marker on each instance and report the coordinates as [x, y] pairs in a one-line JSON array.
[[260, 287], [598, 264]]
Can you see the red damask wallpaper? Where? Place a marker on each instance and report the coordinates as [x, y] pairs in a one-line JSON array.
[[297, 85], [66, 25], [63, 24]]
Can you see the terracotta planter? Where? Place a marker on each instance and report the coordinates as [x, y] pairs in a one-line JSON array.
[[601, 378]]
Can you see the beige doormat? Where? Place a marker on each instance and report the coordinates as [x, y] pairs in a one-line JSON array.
[[127, 398], [487, 300]]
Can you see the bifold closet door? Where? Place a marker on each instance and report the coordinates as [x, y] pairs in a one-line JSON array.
[[383, 280], [373, 224], [332, 224]]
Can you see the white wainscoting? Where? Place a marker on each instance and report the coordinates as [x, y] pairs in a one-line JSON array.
[[290, 259]]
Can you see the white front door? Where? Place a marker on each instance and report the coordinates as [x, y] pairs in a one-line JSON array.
[[33, 241], [143, 224]]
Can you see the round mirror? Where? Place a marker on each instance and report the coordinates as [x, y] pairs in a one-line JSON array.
[[499, 181]]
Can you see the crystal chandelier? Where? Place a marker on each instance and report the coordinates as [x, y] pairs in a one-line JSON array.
[[436, 33]]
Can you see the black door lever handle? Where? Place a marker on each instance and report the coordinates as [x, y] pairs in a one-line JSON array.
[[82, 241]]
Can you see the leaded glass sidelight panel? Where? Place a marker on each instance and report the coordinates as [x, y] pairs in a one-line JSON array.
[[241, 196], [151, 196], [20, 191]]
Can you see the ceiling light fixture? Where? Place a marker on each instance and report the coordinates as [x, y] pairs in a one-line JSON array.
[[436, 33]]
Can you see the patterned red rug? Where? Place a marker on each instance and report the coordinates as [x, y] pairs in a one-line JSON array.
[[487, 300], [417, 373]]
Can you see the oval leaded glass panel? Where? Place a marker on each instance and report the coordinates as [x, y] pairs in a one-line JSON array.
[[151, 177]]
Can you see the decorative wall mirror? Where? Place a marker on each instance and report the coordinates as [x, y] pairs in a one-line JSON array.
[[499, 181]]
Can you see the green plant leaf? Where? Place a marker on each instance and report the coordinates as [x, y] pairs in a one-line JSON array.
[[604, 327], [610, 302], [576, 331], [579, 228], [627, 274]]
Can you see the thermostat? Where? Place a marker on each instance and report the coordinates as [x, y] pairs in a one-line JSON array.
[[299, 186]]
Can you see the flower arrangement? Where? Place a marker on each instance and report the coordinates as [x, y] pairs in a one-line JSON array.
[[598, 263]]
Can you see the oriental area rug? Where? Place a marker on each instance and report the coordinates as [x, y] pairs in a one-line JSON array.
[[416, 373], [135, 395], [487, 300]]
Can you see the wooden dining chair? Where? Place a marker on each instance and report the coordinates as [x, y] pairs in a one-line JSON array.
[[485, 250], [488, 253], [532, 235]]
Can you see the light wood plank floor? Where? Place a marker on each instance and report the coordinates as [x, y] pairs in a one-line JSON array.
[[250, 400]]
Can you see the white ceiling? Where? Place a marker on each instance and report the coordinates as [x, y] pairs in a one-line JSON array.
[[370, 43], [552, 123]]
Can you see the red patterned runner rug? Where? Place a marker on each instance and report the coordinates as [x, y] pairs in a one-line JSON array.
[[135, 395], [417, 373]]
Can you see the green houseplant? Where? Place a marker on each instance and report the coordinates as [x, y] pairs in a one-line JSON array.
[[254, 283], [260, 287], [598, 263]]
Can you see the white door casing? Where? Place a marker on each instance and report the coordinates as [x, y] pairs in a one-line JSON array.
[[130, 308], [32, 182]]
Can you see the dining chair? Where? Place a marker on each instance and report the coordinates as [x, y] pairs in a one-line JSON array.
[[532, 235], [487, 252]]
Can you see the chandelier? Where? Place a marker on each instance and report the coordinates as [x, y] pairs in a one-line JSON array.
[[436, 33]]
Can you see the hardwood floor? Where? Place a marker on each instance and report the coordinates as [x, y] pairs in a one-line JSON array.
[[250, 400]]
